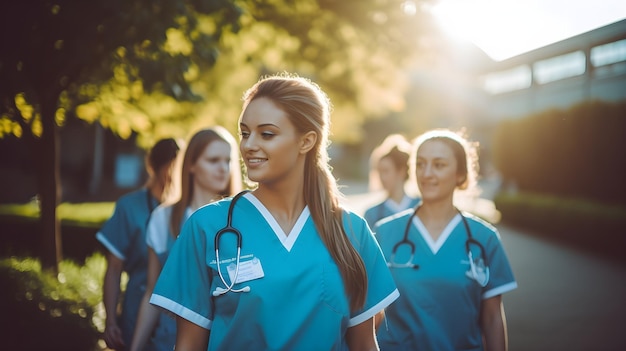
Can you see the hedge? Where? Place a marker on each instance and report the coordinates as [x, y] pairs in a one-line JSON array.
[[575, 152], [44, 311], [79, 224], [593, 226]]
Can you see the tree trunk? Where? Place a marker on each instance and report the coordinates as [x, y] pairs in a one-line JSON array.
[[51, 253], [98, 159]]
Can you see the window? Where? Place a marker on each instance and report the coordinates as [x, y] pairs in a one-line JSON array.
[[560, 67], [607, 54], [504, 81]]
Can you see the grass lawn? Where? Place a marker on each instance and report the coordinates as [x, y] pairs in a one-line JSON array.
[[91, 215]]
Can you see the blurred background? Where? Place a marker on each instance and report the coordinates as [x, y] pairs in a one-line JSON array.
[[86, 87], [518, 76]]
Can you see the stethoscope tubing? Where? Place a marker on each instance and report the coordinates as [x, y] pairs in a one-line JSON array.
[[405, 240], [229, 229]]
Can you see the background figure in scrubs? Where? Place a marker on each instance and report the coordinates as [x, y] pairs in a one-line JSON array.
[[449, 299], [311, 274], [124, 236], [210, 172], [389, 164]]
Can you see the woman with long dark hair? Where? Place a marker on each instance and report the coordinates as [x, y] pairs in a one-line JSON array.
[[124, 237]]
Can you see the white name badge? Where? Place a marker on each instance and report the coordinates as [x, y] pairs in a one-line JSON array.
[[248, 270]]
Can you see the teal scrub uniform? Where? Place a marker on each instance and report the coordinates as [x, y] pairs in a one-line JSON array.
[[439, 305], [296, 298], [388, 208], [124, 235]]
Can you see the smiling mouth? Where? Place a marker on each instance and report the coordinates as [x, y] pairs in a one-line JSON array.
[[256, 160], [429, 186]]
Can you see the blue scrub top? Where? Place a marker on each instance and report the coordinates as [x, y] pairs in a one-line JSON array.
[[124, 235], [388, 208], [439, 305], [296, 300]]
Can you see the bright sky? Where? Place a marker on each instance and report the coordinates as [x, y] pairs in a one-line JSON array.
[[506, 28]]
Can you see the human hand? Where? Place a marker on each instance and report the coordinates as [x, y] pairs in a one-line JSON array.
[[113, 337]]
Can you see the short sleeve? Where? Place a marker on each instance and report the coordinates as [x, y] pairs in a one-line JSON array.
[[501, 278], [159, 229], [371, 215], [381, 289], [115, 234]]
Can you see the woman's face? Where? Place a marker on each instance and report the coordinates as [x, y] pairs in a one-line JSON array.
[[390, 176], [211, 170], [436, 171], [270, 143]]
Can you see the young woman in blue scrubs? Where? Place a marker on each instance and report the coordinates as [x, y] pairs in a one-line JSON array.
[[390, 170], [124, 236], [210, 172], [450, 298], [305, 274]]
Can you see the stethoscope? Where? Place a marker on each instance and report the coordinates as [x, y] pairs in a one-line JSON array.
[[229, 229], [479, 271]]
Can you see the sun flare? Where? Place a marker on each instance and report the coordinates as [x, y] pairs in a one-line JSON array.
[[505, 28], [494, 26]]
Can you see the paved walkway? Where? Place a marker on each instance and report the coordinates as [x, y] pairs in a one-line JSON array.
[[566, 300]]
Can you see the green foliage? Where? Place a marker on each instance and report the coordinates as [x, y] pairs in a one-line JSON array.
[[79, 224], [358, 51], [137, 66], [44, 311], [28, 210], [67, 52], [575, 153], [52, 50], [151, 68], [92, 214]]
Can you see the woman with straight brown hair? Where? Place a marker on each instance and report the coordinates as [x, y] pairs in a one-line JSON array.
[[210, 172]]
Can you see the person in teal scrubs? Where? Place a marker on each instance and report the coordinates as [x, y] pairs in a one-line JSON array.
[[450, 266], [210, 172], [124, 237], [304, 273], [389, 164]]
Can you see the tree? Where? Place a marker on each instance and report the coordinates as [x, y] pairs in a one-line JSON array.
[[54, 53], [124, 62], [359, 51]]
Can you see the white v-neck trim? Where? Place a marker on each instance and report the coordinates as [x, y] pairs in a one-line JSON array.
[[287, 240], [397, 207], [436, 245]]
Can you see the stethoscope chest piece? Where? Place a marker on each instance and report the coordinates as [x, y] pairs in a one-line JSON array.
[[229, 229], [478, 270]]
